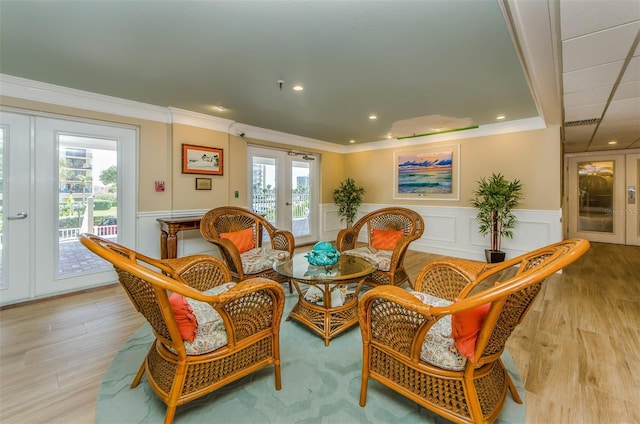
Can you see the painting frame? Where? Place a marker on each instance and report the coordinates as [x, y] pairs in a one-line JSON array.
[[203, 183], [428, 173], [202, 160]]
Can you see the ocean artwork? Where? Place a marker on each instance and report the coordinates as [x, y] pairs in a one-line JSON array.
[[425, 173]]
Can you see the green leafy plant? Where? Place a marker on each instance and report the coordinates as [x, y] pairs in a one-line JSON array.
[[348, 197], [494, 199]]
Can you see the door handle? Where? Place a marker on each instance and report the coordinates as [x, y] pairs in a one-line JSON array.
[[20, 215], [288, 204]]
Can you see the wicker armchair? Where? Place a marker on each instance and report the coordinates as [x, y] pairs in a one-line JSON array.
[[245, 324], [390, 262], [401, 352], [257, 261]]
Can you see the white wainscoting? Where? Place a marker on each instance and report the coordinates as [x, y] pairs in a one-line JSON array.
[[451, 231]]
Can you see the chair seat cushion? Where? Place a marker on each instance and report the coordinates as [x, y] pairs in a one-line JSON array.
[[439, 348], [260, 259], [380, 258], [210, 334]]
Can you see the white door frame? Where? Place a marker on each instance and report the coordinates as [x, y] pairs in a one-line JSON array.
[[632, 203], [39, 230], [622, 214], [284, 162]]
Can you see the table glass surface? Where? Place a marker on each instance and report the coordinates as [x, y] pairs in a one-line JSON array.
[[347, 268]]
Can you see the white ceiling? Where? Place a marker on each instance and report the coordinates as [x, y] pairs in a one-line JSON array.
[[419, 66], [601, 74]]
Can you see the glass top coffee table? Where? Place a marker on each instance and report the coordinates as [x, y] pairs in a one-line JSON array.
[[328, 300]]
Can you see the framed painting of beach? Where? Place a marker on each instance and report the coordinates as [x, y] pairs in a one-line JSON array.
[[427, 174]]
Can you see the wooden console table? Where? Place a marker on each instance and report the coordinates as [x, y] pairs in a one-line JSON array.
[[169, 229]]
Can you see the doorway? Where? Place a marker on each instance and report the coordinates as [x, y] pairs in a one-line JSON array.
[[601, 200], [61, 178], [285, 190]]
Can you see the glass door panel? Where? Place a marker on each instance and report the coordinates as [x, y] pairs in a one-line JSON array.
[[300, 199], [87, 199], [284, 190], [596, 184], [595, 179]]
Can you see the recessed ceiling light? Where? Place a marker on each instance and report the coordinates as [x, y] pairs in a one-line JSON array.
[[389, 136], [613, 142], [298, 87], [372, 117], [220, 108], [352, 141], [437, 129], [500, 117]]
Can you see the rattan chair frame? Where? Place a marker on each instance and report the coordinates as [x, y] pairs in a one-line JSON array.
[[229, 219], [251, 312], [387, 219], [394, 323]]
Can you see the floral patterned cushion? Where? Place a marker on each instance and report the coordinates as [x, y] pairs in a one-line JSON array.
[[381, 258], [261, 258], [211, 334], [438, 347]]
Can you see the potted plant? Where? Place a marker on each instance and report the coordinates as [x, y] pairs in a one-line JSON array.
[[348, 197], [494, 199]]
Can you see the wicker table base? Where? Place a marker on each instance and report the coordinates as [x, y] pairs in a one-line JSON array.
[[325, 319]]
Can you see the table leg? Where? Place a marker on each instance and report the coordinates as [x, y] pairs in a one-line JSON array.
[[163, 244]]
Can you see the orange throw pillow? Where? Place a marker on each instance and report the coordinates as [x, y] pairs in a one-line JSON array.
[[385, 240], [242, 239], [465, 327], [182, 312]]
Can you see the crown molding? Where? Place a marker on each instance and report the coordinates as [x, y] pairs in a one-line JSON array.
[[528, 124], [200, 120], [63, 96], [285, 138]]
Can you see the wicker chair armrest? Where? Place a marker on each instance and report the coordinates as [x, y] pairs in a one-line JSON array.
[[401, 246], [283, 240], [392, 317], [346, 239], [230, 253], [202, 272], [251, 307]]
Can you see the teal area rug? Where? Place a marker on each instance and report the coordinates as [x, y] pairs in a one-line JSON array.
[[319, 385]]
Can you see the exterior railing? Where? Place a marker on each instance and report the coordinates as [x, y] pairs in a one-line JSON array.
[[99, 230], [265, 204]]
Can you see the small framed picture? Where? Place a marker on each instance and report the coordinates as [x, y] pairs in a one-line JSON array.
[[203, 183], [201, 160]]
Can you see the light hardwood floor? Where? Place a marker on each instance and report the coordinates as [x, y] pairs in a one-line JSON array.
[[578, 350]]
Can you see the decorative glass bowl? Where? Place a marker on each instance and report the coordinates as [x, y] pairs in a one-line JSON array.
[[323, 254]]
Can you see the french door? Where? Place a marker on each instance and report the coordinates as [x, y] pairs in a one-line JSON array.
[[61, 178], [602, 204], [284, 188]]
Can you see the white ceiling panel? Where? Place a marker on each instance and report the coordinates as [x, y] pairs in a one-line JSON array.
[[633, 70], [587, 97], [597, 76], [623, 109], [598, 48], [584, 112], [587, 16], [628, 91], [578, 134]]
